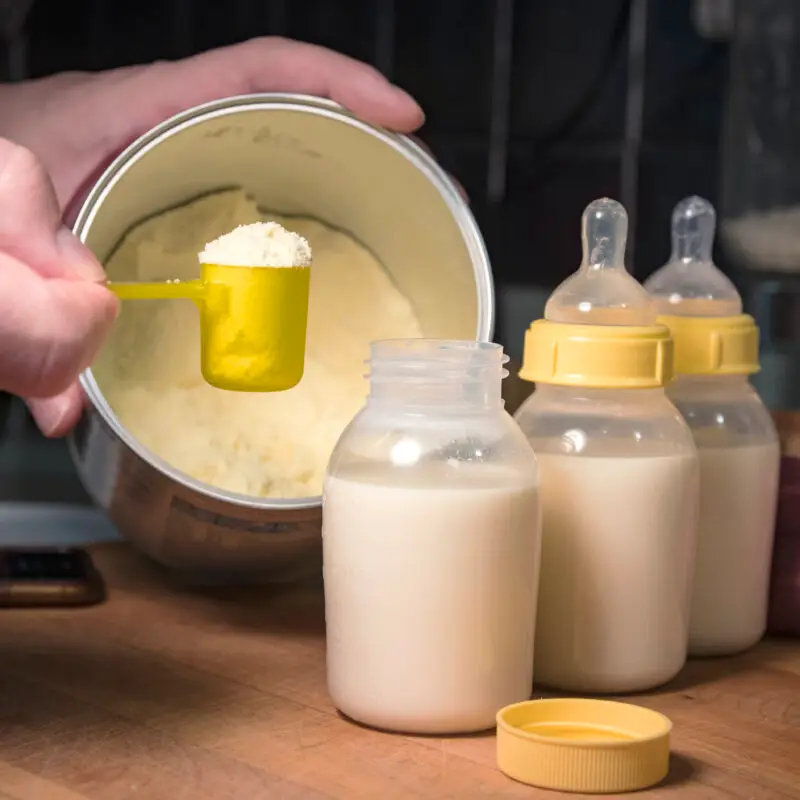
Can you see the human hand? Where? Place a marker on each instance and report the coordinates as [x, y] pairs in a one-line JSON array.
[[53, 313], [77, 123]]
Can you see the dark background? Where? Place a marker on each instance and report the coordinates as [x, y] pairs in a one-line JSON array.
[[566, 89]]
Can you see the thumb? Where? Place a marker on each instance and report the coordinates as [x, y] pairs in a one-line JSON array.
[[52, 320], [87, 312], [30, 220], [58, 415], [50, 329]]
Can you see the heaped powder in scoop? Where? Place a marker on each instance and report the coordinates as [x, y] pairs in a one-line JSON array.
[[259, 244]]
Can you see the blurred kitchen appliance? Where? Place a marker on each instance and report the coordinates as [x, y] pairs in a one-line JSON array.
[[760, 200], [760, 193]]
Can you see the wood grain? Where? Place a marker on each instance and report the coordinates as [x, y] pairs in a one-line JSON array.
[[165, 693]]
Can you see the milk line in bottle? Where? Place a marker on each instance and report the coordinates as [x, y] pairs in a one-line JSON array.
[[619, 478], [716, 350], [431, 543]]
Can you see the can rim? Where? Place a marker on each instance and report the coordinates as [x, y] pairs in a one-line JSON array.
[[401, 143]]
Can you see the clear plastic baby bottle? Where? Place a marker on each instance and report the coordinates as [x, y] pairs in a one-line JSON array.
[[618, 478], [716, 349], [431, 542]]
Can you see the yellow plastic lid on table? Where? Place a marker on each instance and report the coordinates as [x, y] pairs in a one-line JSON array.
[[600, 327], [577, 745], [699, 303]]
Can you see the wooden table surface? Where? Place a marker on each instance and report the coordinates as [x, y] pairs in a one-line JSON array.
[[164, 693]]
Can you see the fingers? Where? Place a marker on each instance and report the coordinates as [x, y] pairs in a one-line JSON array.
[[268, 65], [308, 69], [58, 415], [76, 259], [72, 196], [30, 213], [52, 320], [50, 329], [30, 220], [76, 121]]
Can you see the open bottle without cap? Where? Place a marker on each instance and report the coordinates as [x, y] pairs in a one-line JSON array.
[[431, 540], [619, 478], [716, 349]]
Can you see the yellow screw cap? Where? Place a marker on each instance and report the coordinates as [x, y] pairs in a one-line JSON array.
[[714, 345], [598, 356], [576, 745]]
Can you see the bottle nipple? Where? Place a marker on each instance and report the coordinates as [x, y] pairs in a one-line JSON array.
[[690, 284], [602, 292]]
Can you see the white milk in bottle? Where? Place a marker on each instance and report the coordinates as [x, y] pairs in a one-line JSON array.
[[618, 478], [716, 349], [431, 543]]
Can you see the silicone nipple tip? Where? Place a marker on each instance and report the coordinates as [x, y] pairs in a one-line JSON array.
[[605, 233], [690, 284], [694, 223], [602, 292]]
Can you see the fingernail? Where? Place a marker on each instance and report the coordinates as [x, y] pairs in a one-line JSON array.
[[49, 412], [407, 97], [79, 258]]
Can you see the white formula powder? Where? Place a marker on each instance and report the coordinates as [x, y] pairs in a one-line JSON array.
[[430, 595], [617, 554], [259, 244], [267, 445]]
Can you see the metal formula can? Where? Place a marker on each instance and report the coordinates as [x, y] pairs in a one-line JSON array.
[[296, 155]]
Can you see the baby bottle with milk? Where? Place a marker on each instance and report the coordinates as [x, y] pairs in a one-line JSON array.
[[618, 474], [716, 349], [431, 543]]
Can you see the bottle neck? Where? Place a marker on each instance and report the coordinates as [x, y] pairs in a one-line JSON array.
[[722, 381], [717, 387], [590, 396], [428, 374]]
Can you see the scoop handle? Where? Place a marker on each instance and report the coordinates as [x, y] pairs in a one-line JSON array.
[[158, 290]]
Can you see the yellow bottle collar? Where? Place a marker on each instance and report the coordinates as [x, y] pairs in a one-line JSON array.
[[598, 356], [714, 345]]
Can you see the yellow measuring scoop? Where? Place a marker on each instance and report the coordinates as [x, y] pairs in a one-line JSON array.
[[252, 322]]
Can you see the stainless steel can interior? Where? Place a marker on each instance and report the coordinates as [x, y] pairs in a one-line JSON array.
[[295, 155]]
